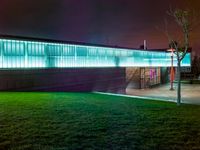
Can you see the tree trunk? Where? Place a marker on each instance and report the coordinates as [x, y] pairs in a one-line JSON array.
[[179, 83]]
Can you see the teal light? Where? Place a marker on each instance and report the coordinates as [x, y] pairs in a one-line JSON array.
[[28, 54]]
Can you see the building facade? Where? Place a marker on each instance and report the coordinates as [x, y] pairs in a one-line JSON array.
[[28, 64]]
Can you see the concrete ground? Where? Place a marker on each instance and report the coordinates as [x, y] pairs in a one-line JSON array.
[[190, 93]]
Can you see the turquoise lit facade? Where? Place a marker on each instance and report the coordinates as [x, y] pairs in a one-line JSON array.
[[36, 54]]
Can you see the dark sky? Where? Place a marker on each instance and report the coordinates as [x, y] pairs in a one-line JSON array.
[[114, 22]]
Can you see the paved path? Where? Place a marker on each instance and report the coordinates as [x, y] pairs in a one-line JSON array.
[[190, 93]]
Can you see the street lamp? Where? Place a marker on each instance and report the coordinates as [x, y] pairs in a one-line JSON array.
[[172, 69]]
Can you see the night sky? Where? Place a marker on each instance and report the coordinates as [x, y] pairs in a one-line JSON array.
[[113, 22]]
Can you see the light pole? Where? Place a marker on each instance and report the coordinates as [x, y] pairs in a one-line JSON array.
[[172, 69]]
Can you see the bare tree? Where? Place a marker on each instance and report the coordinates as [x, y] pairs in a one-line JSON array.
[[183, 19]]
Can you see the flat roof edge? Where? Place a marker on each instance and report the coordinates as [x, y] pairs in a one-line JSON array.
[[3, 36]]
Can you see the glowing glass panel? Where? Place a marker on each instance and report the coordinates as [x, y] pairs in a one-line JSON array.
[[29, 54], [13, 48], [35, 49]]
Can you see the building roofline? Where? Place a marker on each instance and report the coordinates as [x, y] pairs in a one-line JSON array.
[[4, 36]]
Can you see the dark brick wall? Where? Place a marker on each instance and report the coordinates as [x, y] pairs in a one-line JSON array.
[[79, 79]]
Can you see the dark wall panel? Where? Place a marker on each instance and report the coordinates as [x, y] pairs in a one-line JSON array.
[[164, 75], [79, 79]]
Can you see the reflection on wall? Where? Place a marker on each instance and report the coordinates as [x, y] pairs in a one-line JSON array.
[[29, 54], [150, 77], [142, 77]]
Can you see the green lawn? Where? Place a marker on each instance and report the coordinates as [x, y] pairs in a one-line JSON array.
[[91, 121]]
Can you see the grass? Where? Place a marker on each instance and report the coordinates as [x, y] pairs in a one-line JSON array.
[[189, 81], [91, 121], [195, 81]]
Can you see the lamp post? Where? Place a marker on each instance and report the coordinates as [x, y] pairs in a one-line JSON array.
[[172, 69]]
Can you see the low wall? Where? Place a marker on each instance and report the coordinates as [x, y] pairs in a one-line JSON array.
[[76, 79]]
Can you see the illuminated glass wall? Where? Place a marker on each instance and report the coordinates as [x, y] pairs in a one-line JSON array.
[[29, 54]]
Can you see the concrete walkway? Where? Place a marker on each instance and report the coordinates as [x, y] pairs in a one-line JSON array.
[[190, 93]]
